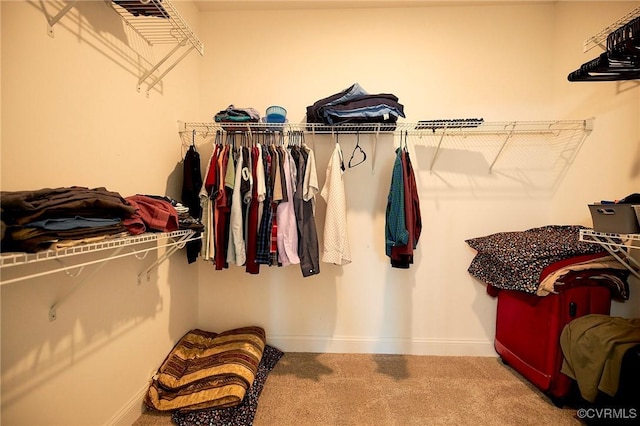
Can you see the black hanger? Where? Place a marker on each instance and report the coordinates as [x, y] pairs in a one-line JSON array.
[[357, 148], [625, 40], [606, 68], [621, 61]]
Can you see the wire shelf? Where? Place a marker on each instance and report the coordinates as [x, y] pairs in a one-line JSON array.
[[16, 259], [618, 246], [435, 127], [600, 38], [154, 22], [619, 240], [158, 22]]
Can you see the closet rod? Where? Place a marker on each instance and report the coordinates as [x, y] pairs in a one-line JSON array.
[[486, 128]]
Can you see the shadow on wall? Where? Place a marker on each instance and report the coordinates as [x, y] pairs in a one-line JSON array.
[[497, 162], [97, 25], [526, 163], [96, 311]]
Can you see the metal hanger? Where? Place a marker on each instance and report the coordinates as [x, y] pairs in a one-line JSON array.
[[360, 150]]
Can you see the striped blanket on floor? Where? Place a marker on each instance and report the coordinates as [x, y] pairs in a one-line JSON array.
[[207, 370]]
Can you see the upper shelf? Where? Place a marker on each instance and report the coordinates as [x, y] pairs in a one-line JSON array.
[[156, 22], [600, 38], [440, 127], [552, 143]]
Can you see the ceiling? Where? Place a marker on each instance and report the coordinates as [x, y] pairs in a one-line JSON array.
[[213, 5]]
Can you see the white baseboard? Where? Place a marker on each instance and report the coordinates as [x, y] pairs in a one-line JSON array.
[[414, 346], [130, 412]]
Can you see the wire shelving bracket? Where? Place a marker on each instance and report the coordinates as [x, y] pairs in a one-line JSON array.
[[600, 38], [111, 249], [563, 137], [618, 246], [156, 22]]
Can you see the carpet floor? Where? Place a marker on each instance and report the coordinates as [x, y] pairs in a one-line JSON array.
[[368, 389]]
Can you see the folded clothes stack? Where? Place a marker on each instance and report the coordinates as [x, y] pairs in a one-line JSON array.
[[237, 115], [56, 218], [53, 218], [355, 105]]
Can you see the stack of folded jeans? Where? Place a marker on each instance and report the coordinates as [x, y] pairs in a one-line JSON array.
[[355, 105]]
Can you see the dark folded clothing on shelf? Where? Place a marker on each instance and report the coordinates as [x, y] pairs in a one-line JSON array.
[[355, 106], [22, 207], [34, 239], [139, 8]]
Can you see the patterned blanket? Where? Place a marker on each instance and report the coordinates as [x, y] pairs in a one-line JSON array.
[[515, 260], [206, 370]]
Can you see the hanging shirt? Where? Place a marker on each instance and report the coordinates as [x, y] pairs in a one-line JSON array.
[[191, 185], [266, 221], [310, 183], [287, 232], [252, 225], [396, 233], [236, 252], [261, 192], [222, 210], [336, 237], [402, 256], [208, 247], [308, 237]]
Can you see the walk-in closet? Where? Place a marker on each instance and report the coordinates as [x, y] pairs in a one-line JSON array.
[[304, 180]]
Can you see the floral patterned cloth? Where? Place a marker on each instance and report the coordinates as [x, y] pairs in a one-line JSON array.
[[515, 260]]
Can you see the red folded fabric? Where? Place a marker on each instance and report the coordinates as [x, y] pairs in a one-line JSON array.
[[151, 214]]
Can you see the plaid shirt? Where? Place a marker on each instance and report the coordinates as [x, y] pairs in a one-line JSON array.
[[264, 244]]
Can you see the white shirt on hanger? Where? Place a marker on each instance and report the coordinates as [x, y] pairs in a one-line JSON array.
[[336, 249]]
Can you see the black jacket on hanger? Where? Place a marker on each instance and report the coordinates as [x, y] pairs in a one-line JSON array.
[[191, 184]]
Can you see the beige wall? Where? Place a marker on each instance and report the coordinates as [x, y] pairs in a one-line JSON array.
[[609, 161], [499, 62], [71, 116]]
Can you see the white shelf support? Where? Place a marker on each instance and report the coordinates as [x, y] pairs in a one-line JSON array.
[[53, 310], [373, 149], [177, 244], [155, 22], [159, 22], [178, 241], [161, 76], [618, 246], [435, 154], [111, 249], [54, 19], [509, 136]]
